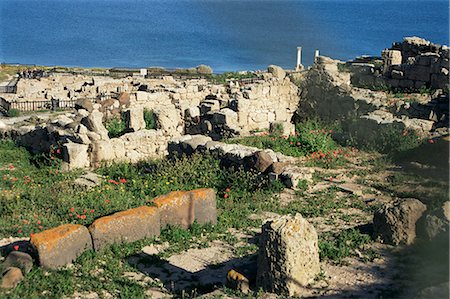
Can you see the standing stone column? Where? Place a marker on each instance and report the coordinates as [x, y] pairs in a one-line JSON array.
[[299, 65], [288, 258]]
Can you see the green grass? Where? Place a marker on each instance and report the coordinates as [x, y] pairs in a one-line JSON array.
[[337, 246], [36, 196]]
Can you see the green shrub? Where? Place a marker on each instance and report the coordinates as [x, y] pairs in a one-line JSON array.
[[150, 119], [13, 112], [116, 127], [312, 139], [389, 140]]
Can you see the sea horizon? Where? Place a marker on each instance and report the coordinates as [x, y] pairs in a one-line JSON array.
[[228, 35]]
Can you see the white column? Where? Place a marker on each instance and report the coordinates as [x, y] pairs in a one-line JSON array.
[[316, 54], [299, 58]]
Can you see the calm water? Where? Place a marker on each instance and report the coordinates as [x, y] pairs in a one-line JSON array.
[[226, 34]]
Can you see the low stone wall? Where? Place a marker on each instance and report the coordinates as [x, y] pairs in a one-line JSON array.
[[275, 165], [60, 246]]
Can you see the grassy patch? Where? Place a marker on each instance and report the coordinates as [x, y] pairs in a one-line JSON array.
[[336, 247], [150, 119]]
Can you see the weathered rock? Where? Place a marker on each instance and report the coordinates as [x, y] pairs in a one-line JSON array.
[[278, 167], [12, 276], [293, 174], [61, 245], [88, 180], [395, 223], [237, 281], [19, 260], [135, 119], [94, 124], [125, 227], [261, 161], [85, 104], [76, 155], [288, 258], [124, 99], [276, 71]]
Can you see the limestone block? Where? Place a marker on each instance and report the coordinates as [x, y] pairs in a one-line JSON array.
[[281, 115], [391, 57], [395, 223], [76, 155], [102, 150], [276, 71], [60, 246], [94, 123], [134, 118], [225, 116], [192, 112], [292, 175], [125, 227], [288, 258]]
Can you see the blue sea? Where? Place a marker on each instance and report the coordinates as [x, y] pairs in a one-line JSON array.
[[228, 35]]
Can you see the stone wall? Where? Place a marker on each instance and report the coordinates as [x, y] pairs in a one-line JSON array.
[[327, 93], [412, 64], [416, 63], [241, 108]]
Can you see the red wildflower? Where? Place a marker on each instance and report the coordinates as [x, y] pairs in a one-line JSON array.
[[83, 216], [92, 211], [58, 151], [11, 167], [113, 182], [72, 209], [70, 214], [39, 222], [227, 190], [405, 133], [78, 216], [107, 201], [431, 141], [19, 231], [41, 227], [225, 195], [123, 181], [16, 247], [291, 143], [31, 234], [298, 143]]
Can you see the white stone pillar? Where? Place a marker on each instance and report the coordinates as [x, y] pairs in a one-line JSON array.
[[299, 59], [316, 54]]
